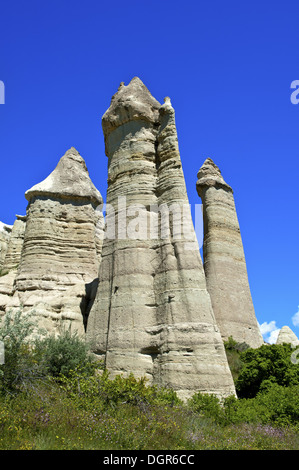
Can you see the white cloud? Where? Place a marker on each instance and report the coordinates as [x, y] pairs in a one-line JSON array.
[[295, 318], [269, 331]]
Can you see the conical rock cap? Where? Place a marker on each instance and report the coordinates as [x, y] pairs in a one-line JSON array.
[[70, 179]]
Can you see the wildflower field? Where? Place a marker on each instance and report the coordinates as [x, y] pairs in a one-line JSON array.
[[53, 396]]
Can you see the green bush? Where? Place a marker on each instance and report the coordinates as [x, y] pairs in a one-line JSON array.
[[19, 367], [264, 366], [100, 390], [233, 351], [59, 355], [278, 406], [206, 405]]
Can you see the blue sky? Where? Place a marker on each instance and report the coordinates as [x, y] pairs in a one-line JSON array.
[[227, 66]]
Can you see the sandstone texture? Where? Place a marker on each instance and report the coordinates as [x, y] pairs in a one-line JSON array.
[[286, 335], [152, 313], [61, 248], [224, 259], [5, 232], [15, 245]]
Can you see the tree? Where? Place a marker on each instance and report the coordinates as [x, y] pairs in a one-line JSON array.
[[264, 366]]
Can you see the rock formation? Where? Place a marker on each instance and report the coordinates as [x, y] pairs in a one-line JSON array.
[[11, 260], [15, 245], [152, 314], [60, 256], [286, 335], [224, 259], [5, 232]]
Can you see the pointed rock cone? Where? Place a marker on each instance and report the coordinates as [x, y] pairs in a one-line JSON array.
[[224, 259], [70, 179], [59, 257], [286, 335], [152, 315]]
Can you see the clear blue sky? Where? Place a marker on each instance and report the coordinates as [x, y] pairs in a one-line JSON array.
[[227, 67]]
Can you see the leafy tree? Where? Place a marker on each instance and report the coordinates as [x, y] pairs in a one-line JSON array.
[[264, 366]]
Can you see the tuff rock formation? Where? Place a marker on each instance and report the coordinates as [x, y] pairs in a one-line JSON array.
[[62, 246], [286, 335], [224, 259], [11, 261], [152, 314], [15, 245], [5, 232]]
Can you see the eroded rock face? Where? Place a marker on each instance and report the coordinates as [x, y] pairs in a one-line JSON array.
[[60, 256], [152, 314], [15, 245], [11, 261], [5, 232], [224, 259], [286, 335]]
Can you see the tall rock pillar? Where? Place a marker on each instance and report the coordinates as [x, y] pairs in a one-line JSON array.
[[224, 259], [59, 259], [152, 315]]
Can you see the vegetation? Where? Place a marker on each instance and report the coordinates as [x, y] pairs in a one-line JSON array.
[[54, 396]]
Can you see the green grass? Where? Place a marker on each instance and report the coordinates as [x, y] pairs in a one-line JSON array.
[[54, 397], [57, 416]]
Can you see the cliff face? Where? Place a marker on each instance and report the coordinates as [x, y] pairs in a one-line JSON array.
[[224, 259], [152, 314]]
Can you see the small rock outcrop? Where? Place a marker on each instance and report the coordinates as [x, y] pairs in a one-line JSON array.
[[286, 335], [152, 314], [224, 259], [61, 249]]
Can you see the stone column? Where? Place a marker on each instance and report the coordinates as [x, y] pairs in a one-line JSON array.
[[60, 252], [224, 259], [152, 315]]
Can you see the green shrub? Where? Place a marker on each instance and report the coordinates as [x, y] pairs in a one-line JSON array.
[[207, 405], [59, 355], [278, 406], [233, 351], [99, 390], [19, 367], [266, 365]]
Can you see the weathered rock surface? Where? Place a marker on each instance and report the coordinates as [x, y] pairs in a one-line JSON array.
[[5, 232], [286, 335], [224, 259], [152, 314], [15, 245], [60, 256]]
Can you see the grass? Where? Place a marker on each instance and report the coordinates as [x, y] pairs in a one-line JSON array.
[[54, 397], [49, 418]]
